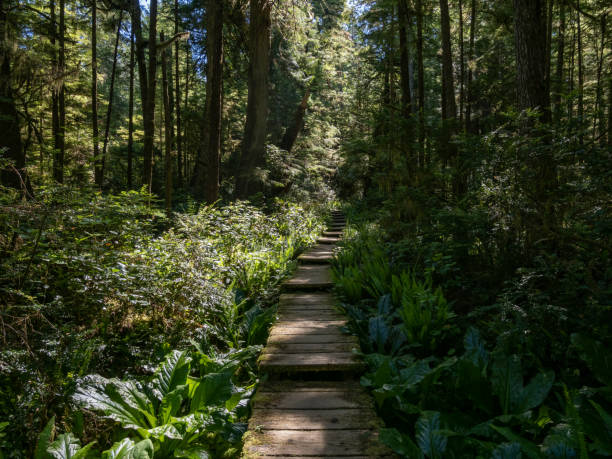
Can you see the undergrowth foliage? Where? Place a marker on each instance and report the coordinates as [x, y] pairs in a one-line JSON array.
[[106, 284], [476, 383]]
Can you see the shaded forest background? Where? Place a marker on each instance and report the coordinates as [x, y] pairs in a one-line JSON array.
[[163, 163]]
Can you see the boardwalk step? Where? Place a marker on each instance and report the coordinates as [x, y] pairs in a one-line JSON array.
[[328, 240], [320, 253], [309, 277], [316, 419]]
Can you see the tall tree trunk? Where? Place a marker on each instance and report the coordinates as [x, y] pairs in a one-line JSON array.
[[549, 25], [55, 123], [580, 77], [254, 141], [14, 176], [559, 71], [404, 24], [98, 171], [60, 141], [599, 103], [461, 65], [292, 132], [168, 129], [214, 90], [186, 162], [111, 96], [529, 30], [572, 69], [449, 106], [177, 80], [610, 109], [130, 146], [470, 76], [149, 107], [421, 82]]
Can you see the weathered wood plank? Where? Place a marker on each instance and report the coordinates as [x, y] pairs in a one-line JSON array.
[[303, 313], [314, 300], [332, 233], [323, 329], [322, 443], [305, 323], [340, 419], [309, 348], [311, 399], [328, 240], [333, 361], [317, 338], [310, 277]]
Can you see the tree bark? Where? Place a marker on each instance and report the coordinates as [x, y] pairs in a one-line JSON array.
[[461, 65], [14, 176], [130, 146], [254, 141], [470, 77], [168, 130], [404, 24], [549, 25], [580, 76], [421, 83], [55, 123], [111, 96], [529, 30], [149, 107], [60, 141], [214, 91], [599, 103], [449, 106], [98, 171], [559, 70], [292, 132], [177, 80]]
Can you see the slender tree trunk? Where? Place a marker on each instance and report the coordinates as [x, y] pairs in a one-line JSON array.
[[254, 141], [98, 168], [130, 146], [177, 80], [214, 90], [580, 77], [168, 129], [449, 106], [60, 141], [421, 82], [111, 96], [292, 132], [572, 70], [55, 89], [461, 65], [549, 25], [599, 103], [14, 176], [186, 163], [559, 71], [149, 107], [404, 24], [470, 77]]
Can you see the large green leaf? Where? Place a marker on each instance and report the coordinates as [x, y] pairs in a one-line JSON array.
[[507, 451], [507, 380], [596, 356], [171, 404], [171, 373], [536, 391], [67, 446], [378, 333], [400, 443], [118, 400], [213, 389], [527, 447], [44, 440], [474, 348], [429, 438]]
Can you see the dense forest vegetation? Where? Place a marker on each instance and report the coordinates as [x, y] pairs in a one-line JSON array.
[[163, 163]]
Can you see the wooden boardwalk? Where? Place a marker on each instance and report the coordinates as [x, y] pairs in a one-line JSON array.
[[312, 404]]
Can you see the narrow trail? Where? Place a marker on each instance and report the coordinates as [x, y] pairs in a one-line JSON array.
[[312, 405]]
